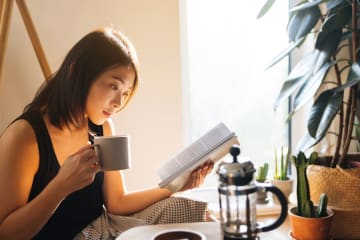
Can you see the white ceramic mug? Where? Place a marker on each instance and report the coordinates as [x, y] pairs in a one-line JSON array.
[[113, 151]]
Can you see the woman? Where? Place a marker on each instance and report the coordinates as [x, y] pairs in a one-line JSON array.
[[51, 181]]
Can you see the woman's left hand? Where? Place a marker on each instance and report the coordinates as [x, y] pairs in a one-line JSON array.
[[197, 176]]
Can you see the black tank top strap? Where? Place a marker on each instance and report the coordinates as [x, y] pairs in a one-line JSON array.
[[94, 130]]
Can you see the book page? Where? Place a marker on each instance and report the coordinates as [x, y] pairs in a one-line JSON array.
[[196, 150], [175, 184], [193, 155]]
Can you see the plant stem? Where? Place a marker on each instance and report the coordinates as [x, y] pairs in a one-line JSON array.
[[335, 158], [351, 109]]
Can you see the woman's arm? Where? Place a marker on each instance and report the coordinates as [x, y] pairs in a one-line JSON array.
[[19, 162], [119, 201]]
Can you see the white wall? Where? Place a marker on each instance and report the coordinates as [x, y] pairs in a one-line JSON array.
[[154, 117]]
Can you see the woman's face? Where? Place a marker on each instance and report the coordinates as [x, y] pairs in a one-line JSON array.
[[109, 92]]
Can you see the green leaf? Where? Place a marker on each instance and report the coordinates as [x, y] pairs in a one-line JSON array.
[[328, 41], [306, 142], [323, 112], [306, 5], [354, 73], [327, 44], [352, 78], [310, 87], [302, 22], [333, 4], [337, 19], [305, 66], [285, 52], [287, 89], [265, 8]]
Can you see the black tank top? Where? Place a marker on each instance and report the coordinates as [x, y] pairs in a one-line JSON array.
[[78, 209]]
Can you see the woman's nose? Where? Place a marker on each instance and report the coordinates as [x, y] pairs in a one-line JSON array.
[[117, 101]]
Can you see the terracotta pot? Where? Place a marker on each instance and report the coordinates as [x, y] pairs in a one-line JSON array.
[[303, 228], [342, 187]]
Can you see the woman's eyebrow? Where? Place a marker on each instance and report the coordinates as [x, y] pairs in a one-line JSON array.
[[119, 78]]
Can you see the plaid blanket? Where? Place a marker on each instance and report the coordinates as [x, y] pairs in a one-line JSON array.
[[170, 210]]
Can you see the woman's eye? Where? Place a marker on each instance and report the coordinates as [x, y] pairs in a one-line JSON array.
[[114, 87]]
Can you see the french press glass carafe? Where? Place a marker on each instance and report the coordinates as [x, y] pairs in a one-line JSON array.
[[237, 199]]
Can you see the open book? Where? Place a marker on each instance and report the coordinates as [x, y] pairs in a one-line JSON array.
[[213, 145]]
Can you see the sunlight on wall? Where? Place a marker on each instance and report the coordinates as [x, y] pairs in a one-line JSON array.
[[227, 52]]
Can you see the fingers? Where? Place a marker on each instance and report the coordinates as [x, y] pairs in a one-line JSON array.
[[88, 155], [208, 167], [82, 149], [90, 158], [205, 168], [201, 172]]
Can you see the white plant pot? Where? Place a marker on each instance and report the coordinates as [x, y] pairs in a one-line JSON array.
[[286, 186], [262, 195]]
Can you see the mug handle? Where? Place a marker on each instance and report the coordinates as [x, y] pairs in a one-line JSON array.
[[97, 149], [284, 209]]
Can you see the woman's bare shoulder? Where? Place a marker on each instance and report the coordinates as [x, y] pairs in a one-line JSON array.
[[19, 162], [19, 131], [18, 141]]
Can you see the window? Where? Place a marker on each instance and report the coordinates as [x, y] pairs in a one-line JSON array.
[[225, 52]]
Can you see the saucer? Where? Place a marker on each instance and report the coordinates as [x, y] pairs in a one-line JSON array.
[[172, 234]]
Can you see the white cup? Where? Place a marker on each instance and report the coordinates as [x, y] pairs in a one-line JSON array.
[[113, 151]]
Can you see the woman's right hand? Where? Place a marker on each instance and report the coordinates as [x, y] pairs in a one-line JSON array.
[[78, 170]]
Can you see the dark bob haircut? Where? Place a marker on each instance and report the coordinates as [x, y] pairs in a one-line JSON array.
[[63, 96]]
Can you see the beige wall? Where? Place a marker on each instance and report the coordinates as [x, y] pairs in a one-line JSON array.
[[154, 117]]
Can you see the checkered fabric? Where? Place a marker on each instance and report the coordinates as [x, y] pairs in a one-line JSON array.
[[170, 210]]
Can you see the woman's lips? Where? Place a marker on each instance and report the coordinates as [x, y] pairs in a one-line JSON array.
[[107, 114]]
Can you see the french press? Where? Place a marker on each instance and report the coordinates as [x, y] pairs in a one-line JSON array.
[[237, 199]]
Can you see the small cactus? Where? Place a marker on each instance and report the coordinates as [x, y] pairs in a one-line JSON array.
[[305, 205], [262, 172]]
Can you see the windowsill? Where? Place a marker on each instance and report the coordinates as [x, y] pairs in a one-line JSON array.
[[211, 196]]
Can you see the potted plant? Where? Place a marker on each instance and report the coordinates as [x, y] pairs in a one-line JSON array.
[[306, 220], [329, 75], [281, 178], [261, 178]]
